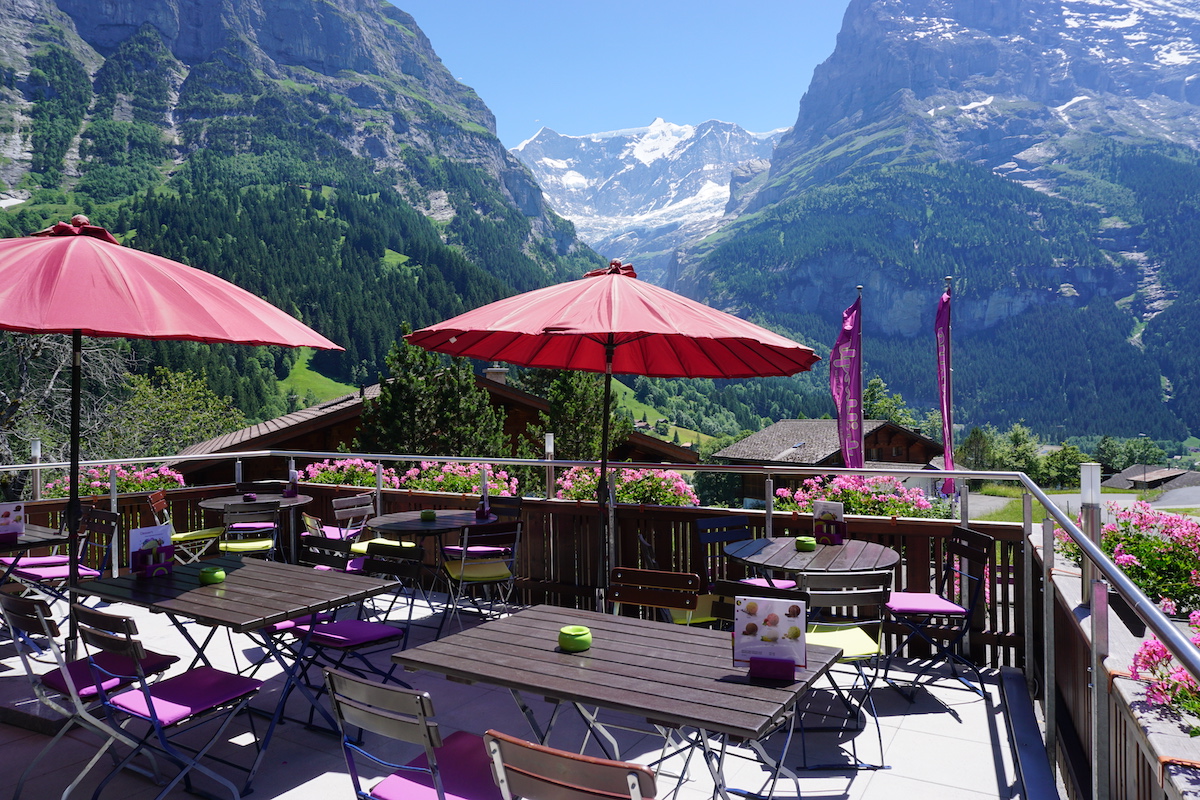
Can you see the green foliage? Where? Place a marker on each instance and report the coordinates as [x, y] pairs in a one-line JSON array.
[[576, 401], [1060, 468], [61, 93], [166, 412], [430, 406], [652, 487], [720, 489], [878, 403]]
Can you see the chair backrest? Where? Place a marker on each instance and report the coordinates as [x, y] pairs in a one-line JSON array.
[[493, 541], [968, 555], [654, 589], [312, 525], [159, 508], [265, 513], [97, 530], [352, 512], [387, 559], [713, 533], [321, 551], [113, 634], [850, 597], [506, 509], [31, 617], [536, 772], [384, 709]]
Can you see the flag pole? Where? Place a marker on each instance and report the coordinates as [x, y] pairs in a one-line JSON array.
[[945, 380]]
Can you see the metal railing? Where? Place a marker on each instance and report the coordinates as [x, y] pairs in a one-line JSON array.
[[1099, 572]]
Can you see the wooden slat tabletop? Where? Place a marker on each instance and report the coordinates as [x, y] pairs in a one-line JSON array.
[[670, 674], [853, 555], [35, 536], [255, 593]]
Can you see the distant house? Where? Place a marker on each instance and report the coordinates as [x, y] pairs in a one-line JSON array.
[[814, 443], [326, 426], [1142, 477]]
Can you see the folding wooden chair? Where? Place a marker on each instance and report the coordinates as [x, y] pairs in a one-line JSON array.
[[70, 688], [658, 589], [49, 575], [481, 568], [406, 715], [350, 514], [171, 706], [943, 619], [190, 546], [250, 529], [536, 772]]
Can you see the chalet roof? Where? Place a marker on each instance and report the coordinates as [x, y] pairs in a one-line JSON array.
[[283, 429], [1151, 475], [802, 441]]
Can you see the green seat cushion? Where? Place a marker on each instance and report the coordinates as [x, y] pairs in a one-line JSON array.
[[477, 571], [701, 616], [361, 547], [855, 643], [247, 545], [195, 536]]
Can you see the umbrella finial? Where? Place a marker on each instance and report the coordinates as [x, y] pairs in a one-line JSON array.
[[615, 267]]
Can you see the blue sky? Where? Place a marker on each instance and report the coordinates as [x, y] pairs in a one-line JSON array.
[[582, 66]]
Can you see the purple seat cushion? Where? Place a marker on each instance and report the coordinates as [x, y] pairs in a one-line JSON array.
[[53, 572], [289, 624], [35, 561], [774, 583], [245, 527], [922, 603], [349, 633], [353, 565], [334, 532], [84, 680], [191, 693], [475, 551], [466, 774]]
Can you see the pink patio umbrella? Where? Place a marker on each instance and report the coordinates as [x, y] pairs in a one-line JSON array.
[[611, 322], [77, 279]]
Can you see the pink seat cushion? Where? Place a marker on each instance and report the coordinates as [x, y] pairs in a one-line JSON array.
[[774, 583], [84, 679], [288, 624], [349, 633], [54, 572], [922, 603], [186, 695], [475, 551], [35, 561], [245, 527], [465, 768], [334, 532]]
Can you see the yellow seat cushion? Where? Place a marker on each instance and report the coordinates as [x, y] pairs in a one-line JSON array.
[[247, 546], [477, 571], [855, 643], [196, 536], [361, 547], [703, 614]]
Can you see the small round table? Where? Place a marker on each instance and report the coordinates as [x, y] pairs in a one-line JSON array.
[[410, 522], [781, 554]]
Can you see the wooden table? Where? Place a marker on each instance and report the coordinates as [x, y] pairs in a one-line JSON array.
[[290, 503], [781, 554], [670, 675], [410, 522], [255, 593]]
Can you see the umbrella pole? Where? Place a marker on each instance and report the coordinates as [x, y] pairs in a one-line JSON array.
[[73, 510], [608, 542]]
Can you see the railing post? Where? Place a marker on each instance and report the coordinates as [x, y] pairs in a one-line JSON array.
[[1049, 679], [1027, 584], [549, 468], [237, 471], [112, 488], [35, 455], [378, 489], [1089, 510], [1099, 684], [767, 521], [964, 504]]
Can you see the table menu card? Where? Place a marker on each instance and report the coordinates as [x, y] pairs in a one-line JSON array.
[[12, 521], [150, 551], [768, 628]]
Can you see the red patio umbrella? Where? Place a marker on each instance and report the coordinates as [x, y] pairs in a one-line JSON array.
[[76, 278], [611, 322]]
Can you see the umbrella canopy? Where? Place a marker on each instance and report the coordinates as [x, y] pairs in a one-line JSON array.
[[645, 329], [611, 322], [77, 279]]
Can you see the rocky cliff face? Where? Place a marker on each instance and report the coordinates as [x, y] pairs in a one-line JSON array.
[[639, 193], [364, 65]]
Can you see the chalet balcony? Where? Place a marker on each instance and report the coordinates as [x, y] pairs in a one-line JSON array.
[[1037, 641]]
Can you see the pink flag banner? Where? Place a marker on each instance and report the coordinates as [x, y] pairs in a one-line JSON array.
[[941, 327], [845, 383]]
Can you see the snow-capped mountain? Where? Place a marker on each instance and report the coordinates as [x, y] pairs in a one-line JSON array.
[[637, 193]]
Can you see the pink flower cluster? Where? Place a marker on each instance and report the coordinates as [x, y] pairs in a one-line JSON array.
[[434, 476], [659, 487], [875, 495], [1168, 684], [130, 478], [348, 472]]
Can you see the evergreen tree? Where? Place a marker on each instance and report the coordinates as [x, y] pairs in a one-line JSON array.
[[1061, 468], [878, 403], [429, 405], [1111, 455], [576, 412]]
